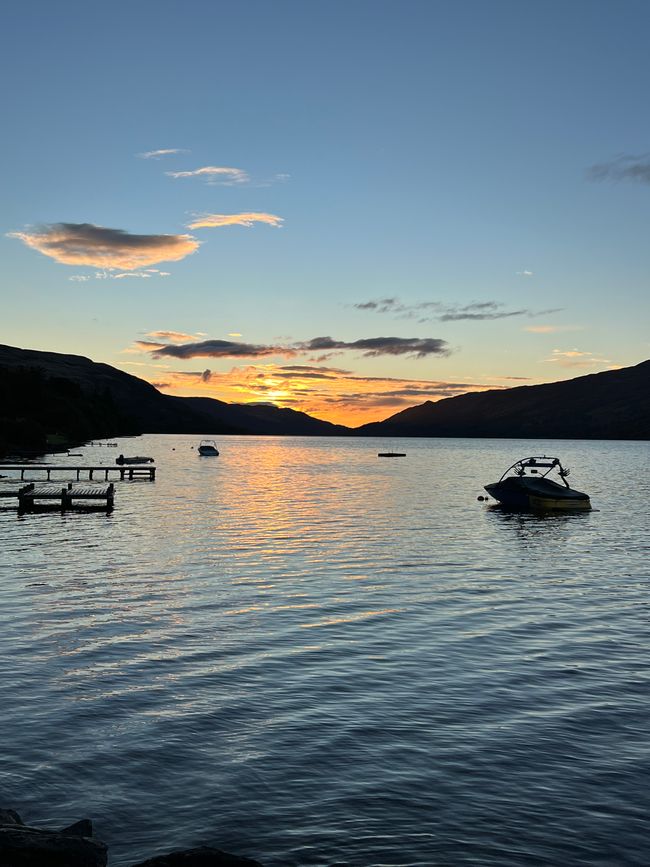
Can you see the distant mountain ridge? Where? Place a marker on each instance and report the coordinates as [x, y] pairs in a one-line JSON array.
[[45, 393], [614, 404]]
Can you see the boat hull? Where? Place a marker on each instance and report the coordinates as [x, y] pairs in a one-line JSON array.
[[208, 451], [537, 494]]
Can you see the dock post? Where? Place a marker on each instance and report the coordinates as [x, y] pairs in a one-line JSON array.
[[24, 500], [66, 500], [110, 497], [152, 474]]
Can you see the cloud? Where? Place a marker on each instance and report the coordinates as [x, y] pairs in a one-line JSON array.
[[372, 347], [107, 275], [213, 349], [111, 249], [222, 175], [163, 152], [623, 168], [479, 311], [575, 358], [327, 392], [524, 273], [419, 347], [209, 221], [172, 336], [552, 329], [426, 311]]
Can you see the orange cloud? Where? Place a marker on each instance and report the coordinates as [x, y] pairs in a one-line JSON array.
[[552, 329], [575, 358], [330, 393], [210, 221], [172, 336], [87, 244]]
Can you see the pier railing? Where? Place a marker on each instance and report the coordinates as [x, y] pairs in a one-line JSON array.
[[61, 471]]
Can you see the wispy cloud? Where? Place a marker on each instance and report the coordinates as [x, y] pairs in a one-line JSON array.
[[576, 358], [162, 152], [209, 221], [109, 275], [222, 175], [110, 249], [371, 347], [427, 311], [626, 167], [525, 273], [552, 329], [172, 336]]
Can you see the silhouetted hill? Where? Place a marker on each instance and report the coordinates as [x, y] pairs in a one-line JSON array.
[[614, 404], [46, 393]]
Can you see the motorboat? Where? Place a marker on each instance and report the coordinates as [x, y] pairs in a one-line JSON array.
[[391, 454], [526, 485], [208, 447], [137, 459]]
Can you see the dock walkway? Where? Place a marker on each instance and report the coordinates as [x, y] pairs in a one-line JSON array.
[[31, 498], [128, 471]]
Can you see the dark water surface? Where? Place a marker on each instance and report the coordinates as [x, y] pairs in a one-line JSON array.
[[305, 654]]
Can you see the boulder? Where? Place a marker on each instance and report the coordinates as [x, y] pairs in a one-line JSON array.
[[22, 846], [204, 856]]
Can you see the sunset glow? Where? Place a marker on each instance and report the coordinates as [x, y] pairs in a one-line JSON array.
[[430, 217]]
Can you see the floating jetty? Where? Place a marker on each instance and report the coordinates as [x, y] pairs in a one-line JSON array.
[[32, 498], [35, 471]]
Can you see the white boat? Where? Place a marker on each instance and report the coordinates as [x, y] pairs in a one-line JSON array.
[[208, 447]]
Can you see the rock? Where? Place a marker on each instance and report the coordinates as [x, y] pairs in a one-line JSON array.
[[21, 846], [10, 817], [205, 856], [82, 828]]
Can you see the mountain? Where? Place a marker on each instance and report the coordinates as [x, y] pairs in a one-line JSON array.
[[614, 404], [50, 394]]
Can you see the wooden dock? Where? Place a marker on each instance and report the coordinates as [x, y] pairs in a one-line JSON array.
[[128, 471], [32, 498]]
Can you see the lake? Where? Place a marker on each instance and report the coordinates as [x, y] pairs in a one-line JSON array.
[[308, 655]]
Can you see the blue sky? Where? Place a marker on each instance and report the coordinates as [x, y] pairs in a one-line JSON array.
[[437, 154]]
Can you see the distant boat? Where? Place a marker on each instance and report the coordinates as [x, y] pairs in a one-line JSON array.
[[208, 447], [134, 460], [391, 454], [529, 488]]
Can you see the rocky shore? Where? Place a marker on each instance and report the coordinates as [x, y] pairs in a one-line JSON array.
[[75, 846]]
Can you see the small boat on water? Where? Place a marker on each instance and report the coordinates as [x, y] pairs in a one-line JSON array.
[[134, 460], [208, 447], [525, 485], [391, 454]]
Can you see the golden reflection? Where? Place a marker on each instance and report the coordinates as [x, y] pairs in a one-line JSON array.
[[351, 618]]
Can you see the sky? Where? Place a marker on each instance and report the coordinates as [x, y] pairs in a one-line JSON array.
[[344, 207]]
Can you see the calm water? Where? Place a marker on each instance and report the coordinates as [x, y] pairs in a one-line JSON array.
[[304, 654]]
